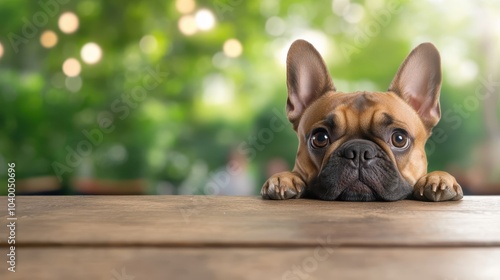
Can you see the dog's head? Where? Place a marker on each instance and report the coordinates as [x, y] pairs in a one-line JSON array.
[[362, 146]]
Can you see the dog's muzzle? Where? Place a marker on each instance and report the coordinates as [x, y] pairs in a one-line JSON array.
[[359, 170]]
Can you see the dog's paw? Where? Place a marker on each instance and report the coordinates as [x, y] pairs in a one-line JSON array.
[[437, 186], [283, 185]]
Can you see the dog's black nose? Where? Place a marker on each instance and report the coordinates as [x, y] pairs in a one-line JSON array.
[[359, 151]]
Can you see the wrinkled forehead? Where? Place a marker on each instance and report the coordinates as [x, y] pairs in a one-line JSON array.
[[361, 110]]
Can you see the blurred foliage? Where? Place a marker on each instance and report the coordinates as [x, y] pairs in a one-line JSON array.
[[209, 103]]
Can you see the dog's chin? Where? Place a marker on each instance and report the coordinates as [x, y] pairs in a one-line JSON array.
[[357, 191], [353, 191]]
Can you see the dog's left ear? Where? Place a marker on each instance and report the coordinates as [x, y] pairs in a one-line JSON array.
[[418, 82], [307, 79]]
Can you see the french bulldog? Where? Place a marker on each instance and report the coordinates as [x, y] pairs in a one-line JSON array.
[[362, 146]]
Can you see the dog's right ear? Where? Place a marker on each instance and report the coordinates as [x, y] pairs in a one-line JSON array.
[[307, 79]]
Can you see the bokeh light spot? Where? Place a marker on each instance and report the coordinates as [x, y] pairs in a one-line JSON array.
[[185, 6], [217, 90], [340, 6], [117, 153], [48, 39], [205, 19], [275, 26], [68, 22], [71, 67], [91, 53], [232, 48], [1, 50], [73, 84], [468, 70], [354, 13], [187, 25], [148, 44]]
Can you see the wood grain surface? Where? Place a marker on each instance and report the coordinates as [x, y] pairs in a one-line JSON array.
[[198, 237], [247, 263], [251, 221]]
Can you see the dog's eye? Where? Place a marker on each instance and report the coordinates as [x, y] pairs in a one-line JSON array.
[[400, 139], [320, 139]]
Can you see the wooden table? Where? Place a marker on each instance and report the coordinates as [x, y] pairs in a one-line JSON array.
[[199, 237]]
